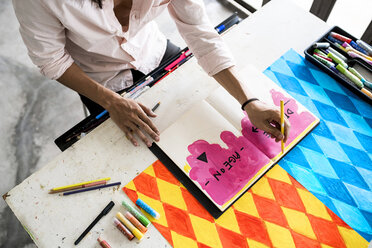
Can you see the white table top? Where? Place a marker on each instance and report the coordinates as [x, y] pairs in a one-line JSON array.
[[55, 221]]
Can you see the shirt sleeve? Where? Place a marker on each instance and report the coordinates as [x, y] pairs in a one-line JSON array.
[[195, 28], [44, 37]]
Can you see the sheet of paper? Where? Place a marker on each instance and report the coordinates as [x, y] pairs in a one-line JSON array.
[[212, 153]]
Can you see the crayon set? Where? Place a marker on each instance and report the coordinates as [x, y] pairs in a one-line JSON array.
[[132, 224], [345, 58]]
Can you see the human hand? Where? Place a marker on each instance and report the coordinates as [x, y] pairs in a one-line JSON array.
[[133, 118], [267, 118]]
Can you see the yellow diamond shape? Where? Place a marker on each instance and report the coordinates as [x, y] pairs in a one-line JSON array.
[[150, 171], [262, 188], [246, 205], [228, 221], [278, 173], [205, 231], [131, 186], [255, 244], [157, 206], [171, 194], [182, 241], [279, 236], [325, 246], [352, 238], [313, 206], [299, 222]]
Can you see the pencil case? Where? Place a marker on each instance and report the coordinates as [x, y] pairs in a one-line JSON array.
[[361, 65]]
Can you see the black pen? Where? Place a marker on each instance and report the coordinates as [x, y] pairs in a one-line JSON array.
[[103, 213]]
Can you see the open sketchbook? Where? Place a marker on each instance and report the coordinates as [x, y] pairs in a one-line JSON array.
[[216, 146]]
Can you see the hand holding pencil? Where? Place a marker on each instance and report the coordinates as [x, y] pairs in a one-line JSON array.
[[268, 119]]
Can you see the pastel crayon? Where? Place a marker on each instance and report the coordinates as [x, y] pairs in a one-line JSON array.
[[355, 55], [365, 46], [103, 243], [355, 72], [321, 45], [367, 92], [357, 47], [123, 229], [326, 58], [324, 61], [130, 226], [366, 83], [330, 49], [335, 41], [135, 222], [339, 46], [147, 208], [337, 60], [340, 37], [350, 76], [137, 214], [320, 52]]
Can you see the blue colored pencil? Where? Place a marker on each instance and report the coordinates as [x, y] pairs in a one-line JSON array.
[[91, 188]]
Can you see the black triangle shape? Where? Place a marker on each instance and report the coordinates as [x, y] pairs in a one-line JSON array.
[[203, 157]]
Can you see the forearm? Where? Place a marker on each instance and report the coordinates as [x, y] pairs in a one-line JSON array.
[[231, 81], [77, 80]]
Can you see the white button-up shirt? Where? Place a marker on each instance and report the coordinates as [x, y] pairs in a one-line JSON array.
[[60, 32]]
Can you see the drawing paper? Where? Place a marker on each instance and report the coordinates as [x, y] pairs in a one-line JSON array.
[[218, 148]]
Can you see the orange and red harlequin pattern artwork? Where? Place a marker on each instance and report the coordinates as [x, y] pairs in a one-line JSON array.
[[276, 212]]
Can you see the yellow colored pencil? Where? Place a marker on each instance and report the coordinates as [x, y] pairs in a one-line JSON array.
[[72, 186], [282, 122]]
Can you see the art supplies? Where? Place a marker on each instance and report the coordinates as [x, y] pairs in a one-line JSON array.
[[130, 226], [91, 188], [321, 45], [127, 233], [103, 243], [136, 213], [282, 123], [258, 219], [349, 55], [155, 107], [365, 46], [350, 76], [147, 208], [135, 222], [95, 221], [78, 185], [219, 154]]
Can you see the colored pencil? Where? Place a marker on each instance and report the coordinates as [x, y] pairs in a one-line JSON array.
[[73, 186], [91, 188], [282, 123]]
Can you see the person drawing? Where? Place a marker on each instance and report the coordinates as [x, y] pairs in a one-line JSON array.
[[99, 47]]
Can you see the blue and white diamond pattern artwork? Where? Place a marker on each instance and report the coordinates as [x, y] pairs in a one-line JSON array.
[[334, 162]]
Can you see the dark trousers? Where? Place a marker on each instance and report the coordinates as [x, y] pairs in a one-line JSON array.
[[95, 108]]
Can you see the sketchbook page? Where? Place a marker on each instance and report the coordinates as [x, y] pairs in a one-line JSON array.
[[227, 106], [213, 154], [301, 119]]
